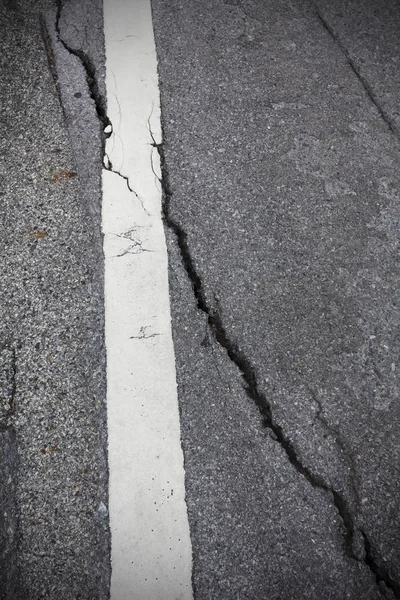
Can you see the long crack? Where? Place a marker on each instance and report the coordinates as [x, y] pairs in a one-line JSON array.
[[91, 78], [50, 58], [369, 91], [334, 433], [237, 356], [106, 128], [381, 574], [374, 563]]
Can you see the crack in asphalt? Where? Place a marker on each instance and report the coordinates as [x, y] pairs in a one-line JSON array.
[[50, 58], [106, 127], [91, 78], [333, 432], [381, 574], [107, 164], [143, 335], [248, 373], [371, 560], [369, 91]]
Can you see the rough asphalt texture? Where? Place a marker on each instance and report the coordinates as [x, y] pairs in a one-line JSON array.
[[281, 182], [53, 473], [281, 201]]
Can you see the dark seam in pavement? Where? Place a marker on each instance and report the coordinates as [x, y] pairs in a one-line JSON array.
[[380, 573], [239, 359], [383, 114], [251, 388], [107, 164], [90, 71], [50, 58], [99, 101], [339, 443], [213, 317]]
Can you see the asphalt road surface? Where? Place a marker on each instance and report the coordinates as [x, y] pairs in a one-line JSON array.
[[281, 183]]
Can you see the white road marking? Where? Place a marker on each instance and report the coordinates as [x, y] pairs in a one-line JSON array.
[[151, 550]]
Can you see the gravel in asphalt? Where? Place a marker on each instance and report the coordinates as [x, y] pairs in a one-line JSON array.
[[51, 289], [281, 180]]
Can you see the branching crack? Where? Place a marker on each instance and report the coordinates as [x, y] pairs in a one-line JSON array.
[[143, 335], [154, 144], [107, 164], [132, 249], [237, 356], [374, 563], [136, 247], [106, 128], [369, 91], [339, 443]]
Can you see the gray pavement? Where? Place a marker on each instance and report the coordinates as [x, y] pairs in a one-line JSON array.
[[282, 183], [281, 201], [51, 332]]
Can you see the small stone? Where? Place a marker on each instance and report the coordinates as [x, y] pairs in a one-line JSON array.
[[102, 510]]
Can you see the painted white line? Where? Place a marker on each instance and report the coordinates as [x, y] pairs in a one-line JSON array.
[[151, 550]]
